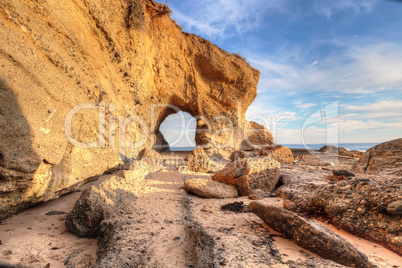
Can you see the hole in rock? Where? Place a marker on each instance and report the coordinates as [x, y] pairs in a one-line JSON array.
[[179, 131]]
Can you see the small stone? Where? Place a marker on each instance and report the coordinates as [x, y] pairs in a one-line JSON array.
[[342, 172], [289, 205], [257, 194], [395, 208], [55, 212], [397, 240]]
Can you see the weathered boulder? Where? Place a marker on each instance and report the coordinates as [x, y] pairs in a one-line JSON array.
[[198, 160], [352, 204], [82, 81], [278, 153], [309, 235], [257, 136], [250, 174], [383, 158], [210, 189], [101, 202]]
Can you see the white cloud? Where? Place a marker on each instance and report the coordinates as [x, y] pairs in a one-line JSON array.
[[222, 18], [328, 8], [357, 68], [386, 110], [302, 105]]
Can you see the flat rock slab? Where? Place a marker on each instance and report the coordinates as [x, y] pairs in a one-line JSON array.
[[210, 189], [311, 236]]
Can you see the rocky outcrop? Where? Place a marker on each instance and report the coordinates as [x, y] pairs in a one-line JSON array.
[[279, 153], [198, 161], [340, 151], [358, 206], [309, 235], [210, 189], [250, 174], [85, 85], [385, 158]]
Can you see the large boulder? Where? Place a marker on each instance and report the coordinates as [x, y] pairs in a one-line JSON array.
[[310, 236], [383, 158], [250, 174], [198, 160], [210, 189], [257, 136], [97, 203], [279, 153]]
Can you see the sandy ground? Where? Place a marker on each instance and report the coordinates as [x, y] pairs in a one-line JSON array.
[[34, 239]]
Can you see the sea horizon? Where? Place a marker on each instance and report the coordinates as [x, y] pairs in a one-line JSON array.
[[349, 146]]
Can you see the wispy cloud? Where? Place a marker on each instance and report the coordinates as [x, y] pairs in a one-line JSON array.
[[385, 110], [220, 18], [302, 105], [329, 8], [357, 68], [223, 18]]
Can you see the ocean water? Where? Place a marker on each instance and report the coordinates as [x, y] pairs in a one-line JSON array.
[[175, 149], [349, 146]]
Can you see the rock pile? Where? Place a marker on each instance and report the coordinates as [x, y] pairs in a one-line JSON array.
[[278, 153], [340, 151]]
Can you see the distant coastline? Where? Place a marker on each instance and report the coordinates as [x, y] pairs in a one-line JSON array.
[[349, 146]]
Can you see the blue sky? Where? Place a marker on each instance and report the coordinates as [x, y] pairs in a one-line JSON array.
[[345, 55]]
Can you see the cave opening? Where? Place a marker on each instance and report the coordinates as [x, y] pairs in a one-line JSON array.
[[179, 130]]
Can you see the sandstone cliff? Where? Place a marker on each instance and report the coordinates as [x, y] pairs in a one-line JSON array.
[[122, 59]]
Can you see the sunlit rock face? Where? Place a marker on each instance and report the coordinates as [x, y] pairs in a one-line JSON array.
[[103, 72]]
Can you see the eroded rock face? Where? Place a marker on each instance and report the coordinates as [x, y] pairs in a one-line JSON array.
[[385, 158], [119, 58], [310, 236], [352, 204], [210, 189]]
